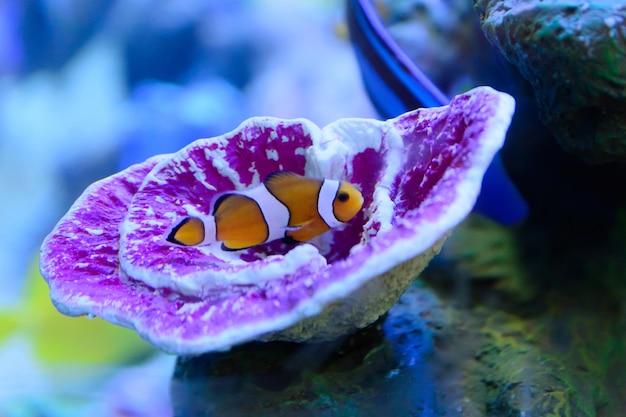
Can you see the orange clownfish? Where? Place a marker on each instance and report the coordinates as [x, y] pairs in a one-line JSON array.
[[285, 206]]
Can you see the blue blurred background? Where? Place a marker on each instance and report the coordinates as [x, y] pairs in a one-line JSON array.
[[88, 88]]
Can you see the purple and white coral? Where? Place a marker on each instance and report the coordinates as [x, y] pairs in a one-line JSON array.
[[419, 173]]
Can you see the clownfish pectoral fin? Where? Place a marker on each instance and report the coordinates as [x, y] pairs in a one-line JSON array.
[[295, 228], [306, 231], [290, 240], [189, 232]]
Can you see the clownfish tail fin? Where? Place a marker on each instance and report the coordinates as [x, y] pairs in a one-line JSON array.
[[189, 232]]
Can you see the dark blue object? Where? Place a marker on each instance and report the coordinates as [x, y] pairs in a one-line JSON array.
[[395, 85], [11, 46], [51, 33]]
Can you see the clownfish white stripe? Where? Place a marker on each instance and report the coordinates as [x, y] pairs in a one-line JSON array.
[[210, 229], [325, 199], [275, 213]]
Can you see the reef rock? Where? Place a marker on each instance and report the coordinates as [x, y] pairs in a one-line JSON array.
[[574, 55]]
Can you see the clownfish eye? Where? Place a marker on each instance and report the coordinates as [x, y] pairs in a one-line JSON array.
[[343, 196]]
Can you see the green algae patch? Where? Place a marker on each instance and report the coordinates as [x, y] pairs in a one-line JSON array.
[[519, 376], [487, 252]]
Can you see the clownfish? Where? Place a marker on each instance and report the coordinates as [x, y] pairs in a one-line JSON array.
[[285, 206]]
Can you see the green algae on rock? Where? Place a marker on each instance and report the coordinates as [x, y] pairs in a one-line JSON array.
[[424, 357], [574, 55], [383, 369]]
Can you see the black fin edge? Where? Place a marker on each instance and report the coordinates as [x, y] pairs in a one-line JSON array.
[[170, 238], [227, 249], [290, 240], [275, 174], [219, 201]]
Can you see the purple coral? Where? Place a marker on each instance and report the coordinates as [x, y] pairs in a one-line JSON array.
[[419, 173]]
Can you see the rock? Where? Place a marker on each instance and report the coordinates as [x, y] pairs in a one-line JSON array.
[[574, 55]]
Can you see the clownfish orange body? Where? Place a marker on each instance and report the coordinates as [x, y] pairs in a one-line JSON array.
[[285, 206]]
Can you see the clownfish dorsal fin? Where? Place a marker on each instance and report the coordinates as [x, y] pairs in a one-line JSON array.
[[292, 189], [281, 179]]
